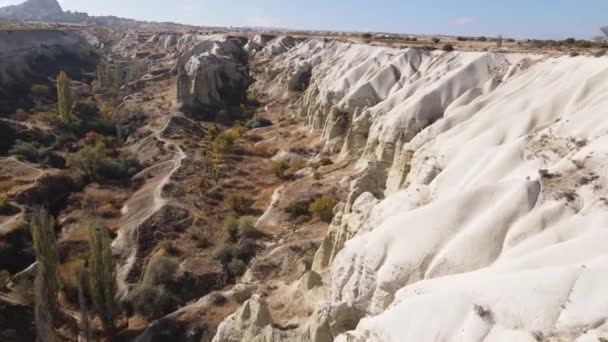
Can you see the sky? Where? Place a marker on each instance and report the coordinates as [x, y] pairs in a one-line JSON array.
[[549, 19]]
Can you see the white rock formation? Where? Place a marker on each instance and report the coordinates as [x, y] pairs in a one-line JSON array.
[[211, 75], [480, 210]]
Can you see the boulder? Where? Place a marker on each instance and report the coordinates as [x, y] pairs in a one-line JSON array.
[[212, 84], [212, 77]]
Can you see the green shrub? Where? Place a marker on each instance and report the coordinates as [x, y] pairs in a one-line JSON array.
[[200, 237], [237, 130], [252, 99], [302, 219], [279, 168], [63, 140], [88, 160], [168, 247], [298, 209], [323, 208], [247, 228], [257, 122], [160, 270], [96, 164], [231, 227], [225, 142], [238, 202], [120, 169], [153, 301], [225, 253], [236, 267], [30, 152], [436, 40], [3, 200], [448, 47]]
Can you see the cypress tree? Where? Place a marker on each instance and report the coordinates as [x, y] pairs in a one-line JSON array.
[[101, 276], [135, 70], [46, 285], [103, 75], [85, 326], [116, 78], [64, 96]]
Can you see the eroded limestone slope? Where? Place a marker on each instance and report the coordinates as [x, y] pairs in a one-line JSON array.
[[479, 209]]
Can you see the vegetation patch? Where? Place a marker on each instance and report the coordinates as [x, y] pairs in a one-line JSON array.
[[98, 164], [323, 208], [238, 202], [153, 301]]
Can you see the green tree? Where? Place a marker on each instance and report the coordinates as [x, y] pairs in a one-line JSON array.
[[64, 96], [104, 75], [116, 78], [46, 284], [135, 70], [89, 160], [85, 325], [101, 276]]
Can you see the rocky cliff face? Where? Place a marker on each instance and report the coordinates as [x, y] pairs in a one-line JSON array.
[[478, 212], [212, 77], [33, 10], [34, 56]]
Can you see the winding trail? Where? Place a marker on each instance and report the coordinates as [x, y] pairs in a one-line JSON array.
[[7, 226], [125, 244]]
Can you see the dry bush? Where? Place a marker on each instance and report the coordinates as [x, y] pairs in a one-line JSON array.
[[280, 168], [238, 202], [153, 301], [168, 247], [247, 228], [323, 208], [200, 237], [160, 270], [297, 163], [236, 267], [231, 227]]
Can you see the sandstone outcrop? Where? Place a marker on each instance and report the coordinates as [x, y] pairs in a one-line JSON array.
[[212, 77], [480, 189]]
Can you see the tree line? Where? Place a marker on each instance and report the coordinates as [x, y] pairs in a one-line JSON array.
[[95, 280]]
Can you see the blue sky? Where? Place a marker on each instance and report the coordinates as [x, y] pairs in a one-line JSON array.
[[511, 18]]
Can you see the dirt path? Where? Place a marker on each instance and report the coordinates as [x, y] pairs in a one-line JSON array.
[[126, 242]]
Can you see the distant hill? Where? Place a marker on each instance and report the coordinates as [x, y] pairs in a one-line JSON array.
[[51, 11], [33, 10]]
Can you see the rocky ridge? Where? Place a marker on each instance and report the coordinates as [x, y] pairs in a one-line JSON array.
[[475, 181], [33, 10], [479, 179]]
